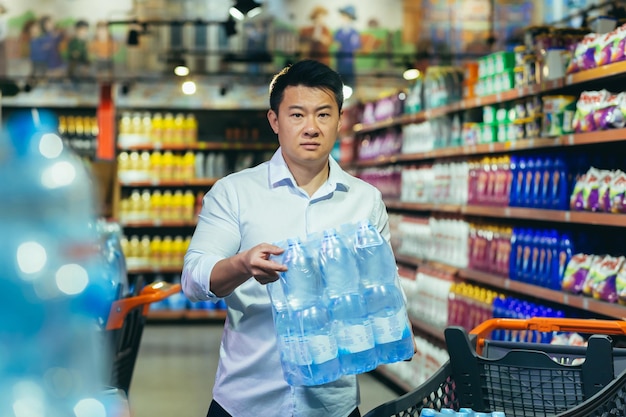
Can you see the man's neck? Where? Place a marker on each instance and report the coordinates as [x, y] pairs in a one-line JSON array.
[[308, 178]]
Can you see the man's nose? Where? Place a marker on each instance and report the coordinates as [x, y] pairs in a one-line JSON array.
[[311, 129]]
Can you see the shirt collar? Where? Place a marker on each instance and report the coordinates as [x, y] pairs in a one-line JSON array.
[[279, 174]]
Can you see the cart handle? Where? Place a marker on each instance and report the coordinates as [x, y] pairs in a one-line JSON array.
[[149, 294], [547, 324]]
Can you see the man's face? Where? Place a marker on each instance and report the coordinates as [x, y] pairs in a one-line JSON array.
[[307, 124]]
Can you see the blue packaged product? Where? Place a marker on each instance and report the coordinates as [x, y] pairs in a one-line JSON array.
[[518, 172], [540, 274], [526, 260], [468, 411], [534, 199], [560, 192], [302, 280], [535, 258], [447, 412], [428, 412], [560, 261], [547, 173], [526, 197]]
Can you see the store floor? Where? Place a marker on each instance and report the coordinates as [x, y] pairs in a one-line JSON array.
[[174, 373]]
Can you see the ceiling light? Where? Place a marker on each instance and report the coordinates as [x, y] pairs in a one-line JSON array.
[[189, 87], [245, 8], [347, 92], [411, 74], [181, 70]]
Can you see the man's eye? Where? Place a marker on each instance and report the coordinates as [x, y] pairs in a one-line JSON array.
[[324, 115], [297, 115]]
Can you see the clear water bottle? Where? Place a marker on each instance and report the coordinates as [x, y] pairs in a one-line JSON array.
[[302, 282], [355, 337], [287, 336], [53, 280], [383, 297], [315, 353]]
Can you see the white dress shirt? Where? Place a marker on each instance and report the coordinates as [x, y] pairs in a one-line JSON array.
[[264, 204]]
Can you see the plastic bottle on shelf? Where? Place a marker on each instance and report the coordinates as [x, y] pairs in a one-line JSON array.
[[189, 201], [177, 205], [526, 197], [156, 165], [384, 300], [156, 205], [191, 129], [167, 209], [178, 131], [156, 132], [167, 166], [560, 261], [144, 251], [167, 258], [188, 165], [355, 337], [547, 172], [168, 128], [199, 171], [209, 170], [559, 192], [517, 175], [146, 206], [156, 251]]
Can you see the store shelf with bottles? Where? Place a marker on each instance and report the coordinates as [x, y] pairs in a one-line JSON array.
[[484, 253]]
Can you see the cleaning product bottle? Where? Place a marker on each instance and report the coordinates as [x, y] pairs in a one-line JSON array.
[[560, 191]]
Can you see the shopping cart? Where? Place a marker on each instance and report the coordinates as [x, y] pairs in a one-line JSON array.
[[124, 329], [524, 379]]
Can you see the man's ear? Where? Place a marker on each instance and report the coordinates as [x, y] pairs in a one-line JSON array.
[[272, 117], [340, 121]]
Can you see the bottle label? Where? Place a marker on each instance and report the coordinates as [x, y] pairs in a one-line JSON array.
[[322, 348], [356, 338], [390, 329], [297, 351]]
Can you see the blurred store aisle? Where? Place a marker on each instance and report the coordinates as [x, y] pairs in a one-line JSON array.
[[176, 366]]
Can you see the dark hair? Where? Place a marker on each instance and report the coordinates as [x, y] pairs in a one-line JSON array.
[[81, 24], [308, 73]]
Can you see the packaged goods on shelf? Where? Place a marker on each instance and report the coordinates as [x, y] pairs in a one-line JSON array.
[[489, 249], [385, 108], [158, 206], [595, 276], [513, 308], [558, 115], [427, 299], [137, 128], [599, 190], [387, 180], [440, 183], [380, 143], [599, 110], [415, 237], [469, 305], [598, 49], [358, 323], [442, 85], [154, 252]]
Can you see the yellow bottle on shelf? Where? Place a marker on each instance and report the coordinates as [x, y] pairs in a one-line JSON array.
[[167, 166], [166, 205], [178, 251], [156, 164], [144, 251], [133, 251], [156, 205], [166, 252], [156, 134], [134, 211], [178, 132], [177, 205], [191, 129], [189, 203], [155, 251], [146, 206], [189, 165], [144, 165], [168, 128], [123, 162]]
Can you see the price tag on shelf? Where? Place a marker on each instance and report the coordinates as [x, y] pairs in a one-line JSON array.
[[570, 139], [567, 216], [569, 80], [477, 102], [507, 284], [428, 114], [491, 147], [157, 146], [565, 299], [507, 212], [520, 92], [158, 223], [498, 97], [586, 303]]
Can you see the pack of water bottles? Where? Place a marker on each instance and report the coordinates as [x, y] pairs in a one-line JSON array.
[[338, 309]]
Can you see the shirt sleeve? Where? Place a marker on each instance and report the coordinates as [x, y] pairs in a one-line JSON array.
[[216, 237]]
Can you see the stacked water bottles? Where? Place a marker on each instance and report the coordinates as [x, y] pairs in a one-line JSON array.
[[57, 285], [463, 412], [339, 310]]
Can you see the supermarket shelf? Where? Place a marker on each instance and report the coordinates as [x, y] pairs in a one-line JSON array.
[[603, 72], [497, 281], [158, 223], [207, 182], [557, 216], [173, 315], [423, 263], [218, 146], [563, 298], [574, 139], [156, 270]]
